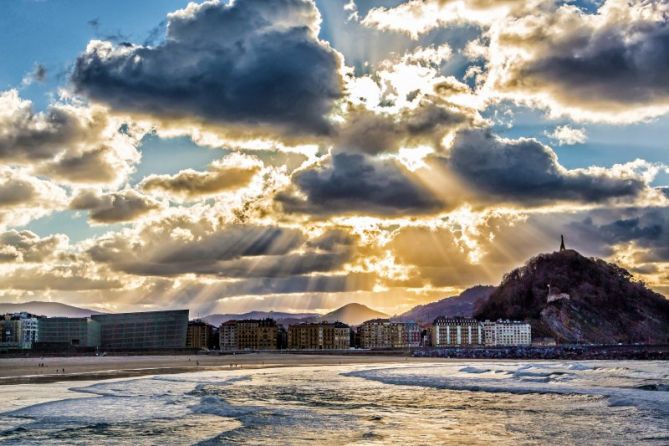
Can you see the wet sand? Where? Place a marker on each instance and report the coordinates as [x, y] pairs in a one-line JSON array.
[[83, 368]]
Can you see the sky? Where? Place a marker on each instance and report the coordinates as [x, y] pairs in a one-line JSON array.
[[299, 155]]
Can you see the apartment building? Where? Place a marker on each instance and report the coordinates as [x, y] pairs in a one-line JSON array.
[[319, 336], [457, 332], [506, 333], [405, 334], [18, 330], [250, 334], [375, 333], [199, 335]]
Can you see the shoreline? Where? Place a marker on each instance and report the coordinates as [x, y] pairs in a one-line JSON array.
[[50, 369], [16, 371]]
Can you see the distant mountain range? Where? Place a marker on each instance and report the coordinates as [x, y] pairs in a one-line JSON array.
[[50, 309], [590, 301], [351, 314], [281, 317], [464, 305]]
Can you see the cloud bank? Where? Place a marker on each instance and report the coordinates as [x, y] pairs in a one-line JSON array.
[[252, 62]]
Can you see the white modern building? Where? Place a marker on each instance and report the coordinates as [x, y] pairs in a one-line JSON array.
[[29, 331], [456, 331], [507, 333]]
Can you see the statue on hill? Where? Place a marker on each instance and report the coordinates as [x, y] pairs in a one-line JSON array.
[[562, 248]]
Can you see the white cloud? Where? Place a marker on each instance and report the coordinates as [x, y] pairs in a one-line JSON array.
[[565, 135]]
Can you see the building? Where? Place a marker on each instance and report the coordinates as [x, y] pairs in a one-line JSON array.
[[405, 335], [554, 295], [457, 331], [29, 331], [426, 336], [18, 330], [355, 338], [146, 330], [250, 334], [319, 336], [70, 331], [215, 340], [544, 342], [227, 335], [375, 333], [507, 333], [199, 335], [10, 334], [257, 334], [281, 338]]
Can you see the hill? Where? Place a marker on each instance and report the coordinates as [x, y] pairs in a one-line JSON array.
[[464, 305], [591, 301], [352, 314], [50, 309], [280, 317]]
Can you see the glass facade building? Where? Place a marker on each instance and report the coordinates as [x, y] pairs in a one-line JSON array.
[[146, 330], [75, 331]]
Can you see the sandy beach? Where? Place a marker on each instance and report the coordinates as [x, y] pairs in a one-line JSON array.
[[81, 368]]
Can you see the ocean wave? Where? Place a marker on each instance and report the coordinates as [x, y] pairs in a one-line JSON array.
[[359, 404], [534, 379], [474, 370], [656, 387]]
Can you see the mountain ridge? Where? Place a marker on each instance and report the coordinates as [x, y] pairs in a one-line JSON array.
[[352, 314], [45, 308], [465, 304], [218, 319]]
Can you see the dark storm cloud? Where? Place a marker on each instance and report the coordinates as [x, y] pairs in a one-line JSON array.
[[251, 62], [647, 228], [286, 265], [527, 171], [159, 253], [608, 67], [373, 133], [113, 207], [606, 62], [234, 251], [355, 183]]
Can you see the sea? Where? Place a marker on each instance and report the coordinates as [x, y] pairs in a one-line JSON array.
[[447, 403]]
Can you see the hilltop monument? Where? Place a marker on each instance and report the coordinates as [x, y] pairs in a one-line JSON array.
[[562, 248]]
